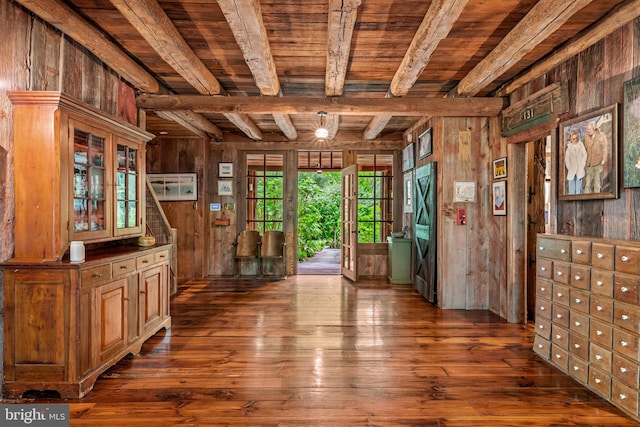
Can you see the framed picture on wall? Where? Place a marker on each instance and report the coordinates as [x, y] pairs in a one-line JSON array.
[[588, 156], [225, 187], [465, 191], [500, 168], [407, 158], [499, 197], [425, 144], [174, 186], [631, 143], [225, 170]]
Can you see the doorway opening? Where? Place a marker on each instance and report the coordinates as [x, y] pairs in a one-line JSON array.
[[319, 197]]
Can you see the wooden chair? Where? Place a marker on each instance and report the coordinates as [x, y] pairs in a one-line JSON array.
[[247, 248], [273, 249]]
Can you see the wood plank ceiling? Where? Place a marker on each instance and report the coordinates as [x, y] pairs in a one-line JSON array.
[[261, 70]]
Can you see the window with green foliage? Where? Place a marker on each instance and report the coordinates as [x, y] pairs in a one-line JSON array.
[[265, 188], [375, 197]]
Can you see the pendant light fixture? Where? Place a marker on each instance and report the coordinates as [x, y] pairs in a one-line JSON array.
[[322, 132]]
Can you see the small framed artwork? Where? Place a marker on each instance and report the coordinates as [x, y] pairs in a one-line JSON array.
[[407, 158], [225, 187], [631, 142], [588, 156], [499, 198], [465, 191], [174, 186], [500, 168], [225, 170], [408, 192], [425, 144]]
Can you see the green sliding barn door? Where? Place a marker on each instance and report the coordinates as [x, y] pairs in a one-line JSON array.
[[424, 227]]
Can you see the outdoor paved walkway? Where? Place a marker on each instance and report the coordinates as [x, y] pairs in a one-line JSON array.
[[327, 261]]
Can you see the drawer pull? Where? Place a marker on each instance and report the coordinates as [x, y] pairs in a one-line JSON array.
[[578, 300], [578, 323], [597, 381], [623, 370], [145, 261], [562, 251], [559, 294], [559, 273], [624, 258], [142, 292], [558, 356], [624, 317], [599, 308], [540, 326], [539, 345], [558, 336], [576, 345], [161, 256], [542, 248], [599, 283], [578, 252], [576, 368], [623, 396], [559, 316], [123, 267], [127, 299], [97, 275], [598, 357], [542, 308], [543, 268], [624, 343], [624, 289], [598, 333], [577, 277], [542, 289], [600, 256]]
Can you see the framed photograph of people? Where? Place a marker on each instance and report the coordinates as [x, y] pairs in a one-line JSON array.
[[425, 144], [588, 156], [500, 168], [631, 134], [407, 158], [499, 197]]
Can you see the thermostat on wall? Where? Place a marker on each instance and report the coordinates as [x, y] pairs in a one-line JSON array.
[[214, 206]]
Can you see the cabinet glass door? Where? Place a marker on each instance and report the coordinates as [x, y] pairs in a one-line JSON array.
[[89, 198], [128, 218]]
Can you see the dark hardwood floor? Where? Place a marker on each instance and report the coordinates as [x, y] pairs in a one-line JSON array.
[[323, 351]]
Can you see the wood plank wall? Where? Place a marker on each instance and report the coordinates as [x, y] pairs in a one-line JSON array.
[[595, 79]]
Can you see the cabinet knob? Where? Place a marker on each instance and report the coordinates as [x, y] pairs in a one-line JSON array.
[[542, 308], [600, 256], [624, 258], [142, 292], [559, 294], [598, 333], [97, 274], [540, 326], [576, 345], [597, 381], [599, 308], [559, 273], [577, 277], [559, 316], [624, 343], [578, 252], [623, 369], [624, 289], [543, 268], [598, 357], [558, 356], [599, 283], [541, 248], [576, 368], [562, 251], [624, 317], [542, 289], [623, 396], [578, 300], [539, 345], [578, 323]]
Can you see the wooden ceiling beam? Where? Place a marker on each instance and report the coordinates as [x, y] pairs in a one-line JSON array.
[[435, 26], [615, 19], [175, 116], [65, 19], [342, 20], [541, 21], [151, 21], [454, 107]]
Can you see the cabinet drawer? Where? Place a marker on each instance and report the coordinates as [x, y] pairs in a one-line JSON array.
[[560, 294], [97, 274], [543, 327], [560, 337], [624, 396], [543, 308], [625, 343], [625, 370], [627, 259], [561, 271], [579, 301], [543, 288], [559, 357], [542, 347], [554, 248], [144, 261], [120, 268], [161, 256], [580, 277], [602, 256], [626, 316], [625, 288], [602, 282], [579, 323], [560, 315], [601, 333], [545, 268], [578, 369], [600, 357], [601, 307], [579, 346], [600, 382], [581, 252]]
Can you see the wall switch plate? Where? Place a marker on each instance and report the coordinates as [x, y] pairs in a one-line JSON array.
[[461, 216]]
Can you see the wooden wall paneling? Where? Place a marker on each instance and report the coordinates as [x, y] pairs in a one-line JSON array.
[[45, 57], [72, 68], [634, 194], [516, 240]]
